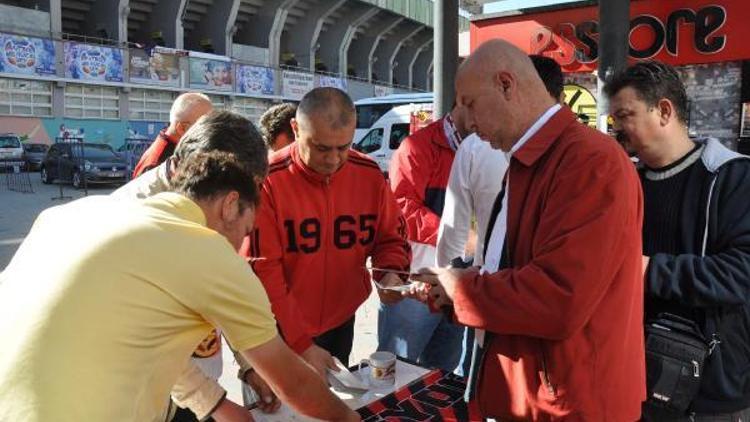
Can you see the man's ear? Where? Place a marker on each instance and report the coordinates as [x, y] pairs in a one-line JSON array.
[[295, 127], [666, 111], [505, 83], [230, 206]]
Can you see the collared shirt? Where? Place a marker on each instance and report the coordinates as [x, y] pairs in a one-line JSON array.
[[103, 329], [497, 239]]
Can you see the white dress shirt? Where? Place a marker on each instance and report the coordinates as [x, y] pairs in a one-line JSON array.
[[475, 180]]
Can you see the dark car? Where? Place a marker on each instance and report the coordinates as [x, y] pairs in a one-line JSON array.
[[77, 162], [34, 154]]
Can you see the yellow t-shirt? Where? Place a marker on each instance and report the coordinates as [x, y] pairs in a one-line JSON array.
[[105, 301]]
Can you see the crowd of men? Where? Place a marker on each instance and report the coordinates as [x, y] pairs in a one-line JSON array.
[[540, 257]]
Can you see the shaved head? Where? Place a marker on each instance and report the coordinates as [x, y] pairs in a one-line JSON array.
[[502, 92], [330, 105]]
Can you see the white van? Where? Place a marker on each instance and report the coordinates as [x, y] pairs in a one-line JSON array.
[[386, 134], [370, 110]]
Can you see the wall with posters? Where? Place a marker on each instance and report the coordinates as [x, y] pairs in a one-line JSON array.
[[255, 80], [294, 85], [211, 74], [154, 67], [26, 55], [92, 62]]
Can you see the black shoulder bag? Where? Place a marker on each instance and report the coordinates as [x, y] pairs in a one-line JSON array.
[[676, 352]]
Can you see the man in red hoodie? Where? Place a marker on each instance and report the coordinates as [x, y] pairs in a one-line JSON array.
[[324, 210], [558, 303], [185, 111]]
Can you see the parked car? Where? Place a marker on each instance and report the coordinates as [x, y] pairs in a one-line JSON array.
[[11, 151], [132, 149], [34, 154], [80, 163]]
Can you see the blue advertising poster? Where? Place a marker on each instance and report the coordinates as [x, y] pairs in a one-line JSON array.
[[256, 80], [26, 55], [211, 74], [92, 62]]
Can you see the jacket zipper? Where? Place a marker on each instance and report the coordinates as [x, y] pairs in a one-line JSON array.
[[545, 374], [324, 243]]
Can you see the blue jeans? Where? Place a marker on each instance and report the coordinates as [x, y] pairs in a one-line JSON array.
[[411, 331]]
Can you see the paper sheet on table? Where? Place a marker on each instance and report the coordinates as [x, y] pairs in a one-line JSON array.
[[405, 373]]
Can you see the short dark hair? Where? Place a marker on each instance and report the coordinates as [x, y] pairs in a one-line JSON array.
[[277, 120], [332, 103], [652, 81], [210, 173], [551, 74], [228, 132]]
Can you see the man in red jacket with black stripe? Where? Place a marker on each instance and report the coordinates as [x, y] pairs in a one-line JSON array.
[[419, 176], [324, 210], [185, 111]]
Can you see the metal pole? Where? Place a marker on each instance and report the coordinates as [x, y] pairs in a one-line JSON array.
[[614, 28], [445, 55]]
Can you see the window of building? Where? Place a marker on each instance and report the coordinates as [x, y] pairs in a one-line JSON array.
[[21, 97], [220, 102], [90, 101], [252, 108], [150, 104]]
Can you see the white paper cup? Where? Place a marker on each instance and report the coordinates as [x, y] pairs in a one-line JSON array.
[[382, 368]]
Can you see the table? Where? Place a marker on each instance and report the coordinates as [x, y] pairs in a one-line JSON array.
[[419, 394]]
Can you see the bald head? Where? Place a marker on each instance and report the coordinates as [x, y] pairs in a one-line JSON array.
[[502, 93], [185, 111]]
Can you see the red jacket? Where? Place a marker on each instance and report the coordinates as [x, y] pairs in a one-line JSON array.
[[314, 234], [162, 148], [565, 320], [419, 173]]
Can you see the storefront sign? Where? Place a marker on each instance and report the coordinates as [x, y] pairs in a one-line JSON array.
[[684, 32], [26, 55], [92, 62]]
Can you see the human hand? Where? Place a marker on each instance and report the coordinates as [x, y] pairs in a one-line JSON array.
[[320, 360], [229, 411], [443, 282], [646, 260], [268, 402], [390, 297]]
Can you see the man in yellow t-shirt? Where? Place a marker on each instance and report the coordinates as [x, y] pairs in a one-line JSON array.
[[106, 299]]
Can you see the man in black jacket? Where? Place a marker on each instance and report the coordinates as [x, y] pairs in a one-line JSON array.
[[696, 233]]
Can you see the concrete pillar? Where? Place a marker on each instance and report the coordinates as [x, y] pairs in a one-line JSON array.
[[361, 49], [421, 68], [217, 25], [430, 77], [389, 46], [303, 40], [387, 26], [410, 55], [123, 9], [334, 42], [446, 55], [406, 54], [166, 17], [614, 29], [264, 28], [55, 17], [104, 15]]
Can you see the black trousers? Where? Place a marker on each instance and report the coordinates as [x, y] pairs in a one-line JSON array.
[[338, 341]]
